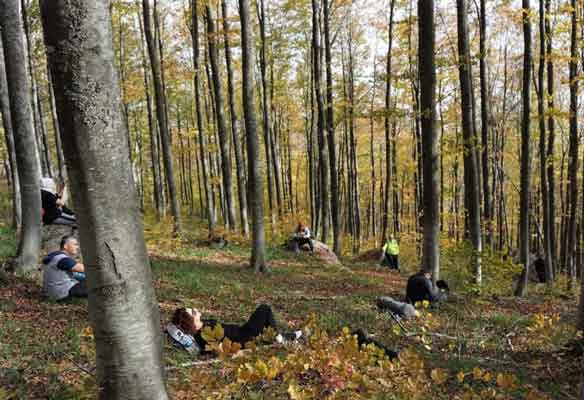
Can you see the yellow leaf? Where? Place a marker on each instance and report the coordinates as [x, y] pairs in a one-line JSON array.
[[460, 376], [296, 392], [487, 377], [438, 375], [214, 334], [477, 373]]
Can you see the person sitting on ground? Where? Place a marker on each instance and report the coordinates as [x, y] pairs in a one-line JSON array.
[[63, 275], [539, 266], [187, 326], [54, 210], [391, 253], [302, 237], [397, 308], [420, 288]]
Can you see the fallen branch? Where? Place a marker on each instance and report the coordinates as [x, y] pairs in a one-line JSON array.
[[433, 334]]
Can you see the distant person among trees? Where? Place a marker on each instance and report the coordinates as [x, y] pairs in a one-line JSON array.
[[302, 236], [187, 326], [63, 275], [391, 253], [55, 211], [420, 288]]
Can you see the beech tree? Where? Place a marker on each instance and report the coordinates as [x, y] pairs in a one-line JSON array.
[[122, 306], [431, 177], [27, 161]]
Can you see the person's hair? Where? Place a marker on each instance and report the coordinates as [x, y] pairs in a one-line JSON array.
[[300, 226], [65, 239], [183, 320]]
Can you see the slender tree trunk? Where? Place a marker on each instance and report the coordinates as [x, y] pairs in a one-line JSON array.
[[525, 154], [240, 167], [321, 124], [485, 128], [161, 116], [157, 188], [334, 174], [427, 67], [209, 203], [547, 248], [260, 6], [573, 185], [255, 190], [220, 115], [24, 137], [471, 171], [386, 125], [58, 147], [10, 147], [551, 136], [122, 306]]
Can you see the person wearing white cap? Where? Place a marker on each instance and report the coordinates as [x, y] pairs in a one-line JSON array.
[[54, 210]]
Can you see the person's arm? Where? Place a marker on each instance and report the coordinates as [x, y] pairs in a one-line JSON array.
[[69, 264], [433, 292], [78, 268]]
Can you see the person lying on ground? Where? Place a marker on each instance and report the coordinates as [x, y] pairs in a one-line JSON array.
[[63, 275], [420, 288], [391, 253], [187, 326], [54, 210], [302, 236], [400, 309]]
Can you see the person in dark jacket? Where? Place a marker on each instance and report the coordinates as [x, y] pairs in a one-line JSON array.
[[420, 288], [54, 210]]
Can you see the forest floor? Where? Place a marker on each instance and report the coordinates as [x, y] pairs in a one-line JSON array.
[[483, 346]]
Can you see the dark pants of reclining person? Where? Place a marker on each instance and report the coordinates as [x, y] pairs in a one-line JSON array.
[[364, 339]]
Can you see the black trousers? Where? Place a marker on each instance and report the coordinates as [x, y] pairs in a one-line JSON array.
[[304, 240], [364, 339], [79, 290], [260, 319]]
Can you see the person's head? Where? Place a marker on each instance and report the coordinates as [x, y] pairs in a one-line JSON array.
[[426, 273], [187, 320], [48, 185], [391, 237], [300, 226], [70, 245]]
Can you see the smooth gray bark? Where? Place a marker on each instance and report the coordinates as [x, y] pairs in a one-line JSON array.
[[240, 166], [220, 118], [122, 306], [254, 182], [430, 170], [525, 154], [471, 171], [161, 116], [202, 136], [10, 149], [27, 160]]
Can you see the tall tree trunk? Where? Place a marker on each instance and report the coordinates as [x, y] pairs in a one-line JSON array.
[[24, 137], [220, 115], [161, 116], [321, 123], [386, 125], [10, 147], [58, 147], [431, 199], [573, 185], [209, 203], [122, 306], [240, 167], [551, 137], [471, 171], [485, 128], [547, 244], [260, 6], [335, 200], [254, 182], [525, 154], [157, 188]]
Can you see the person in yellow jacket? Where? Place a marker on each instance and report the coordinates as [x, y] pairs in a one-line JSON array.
[[391, 253]]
